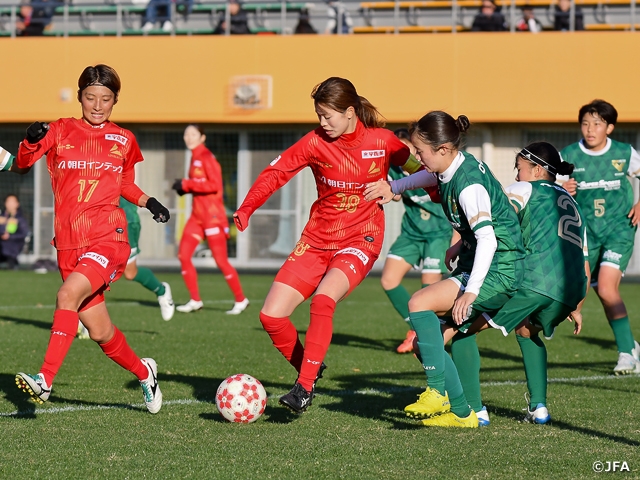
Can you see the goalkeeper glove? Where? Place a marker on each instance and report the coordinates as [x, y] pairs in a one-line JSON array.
[[36, 132], [160, 212], [177, 186]]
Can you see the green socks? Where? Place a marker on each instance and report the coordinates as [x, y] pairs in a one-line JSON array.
[[148, 280], [622, 332], [431, 344], [399, 298], [534, 356], [465, 354], [457, 399]]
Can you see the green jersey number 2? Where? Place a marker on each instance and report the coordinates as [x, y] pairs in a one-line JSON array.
[[572, 219]]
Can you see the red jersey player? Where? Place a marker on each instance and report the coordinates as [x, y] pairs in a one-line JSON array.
[[344, 235], [91, 163], [208, 219]]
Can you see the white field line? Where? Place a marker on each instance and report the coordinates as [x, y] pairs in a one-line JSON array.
[[338, 393], [109, 304]]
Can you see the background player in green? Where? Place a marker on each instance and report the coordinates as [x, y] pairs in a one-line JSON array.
[[489, 268], [143, 275], [425, 236], [555, 265], [606, 198]]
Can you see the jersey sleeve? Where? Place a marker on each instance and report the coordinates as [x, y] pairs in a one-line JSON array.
[[282, 169], [211, 184], [129, 190], [30, 153], [519, 194], [6, 160], [421, 179], [634, 164], [476, 204]]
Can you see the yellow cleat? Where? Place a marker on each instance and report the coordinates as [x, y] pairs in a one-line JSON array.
[[450, 419], [429, 403]]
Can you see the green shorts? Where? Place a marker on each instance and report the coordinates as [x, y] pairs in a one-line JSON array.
[[543, 312], [498, 287], [614, 251], [429, 252], [133, 232]]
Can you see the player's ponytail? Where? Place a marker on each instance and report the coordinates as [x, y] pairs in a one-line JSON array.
[[438, 128], [546, 155], [339, 94]]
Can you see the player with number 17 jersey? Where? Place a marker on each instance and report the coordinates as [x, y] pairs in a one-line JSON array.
[[340, 217], [90, 167]]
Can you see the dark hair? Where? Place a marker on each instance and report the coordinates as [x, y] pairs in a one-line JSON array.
[[600, 108], [12, 195], [545, 155], [99, 75], [339, 94], [197, 127], [402, 134], [438, 128]]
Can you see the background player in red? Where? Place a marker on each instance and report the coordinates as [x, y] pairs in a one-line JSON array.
[[208, 219], [344, 234], [91, 163]]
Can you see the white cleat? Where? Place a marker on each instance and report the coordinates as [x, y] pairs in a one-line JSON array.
[[150, 387], [636, 351], [483, 417], [626, 364], [190, 306], [83, 333], [239, 307], [34, 385], [540, 415], [167, 307]]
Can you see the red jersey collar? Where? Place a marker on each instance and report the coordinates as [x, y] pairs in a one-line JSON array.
[[199, 149], [353, 139], [93, 128]]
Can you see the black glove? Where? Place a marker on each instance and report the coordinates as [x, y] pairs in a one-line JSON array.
[[36, 132], [177, 186], [160, 212]]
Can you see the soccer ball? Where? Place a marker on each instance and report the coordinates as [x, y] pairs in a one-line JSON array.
[[241, 398]]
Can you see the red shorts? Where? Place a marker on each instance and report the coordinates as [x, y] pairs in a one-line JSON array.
[[202, 230], [102, 264], [306, 267]]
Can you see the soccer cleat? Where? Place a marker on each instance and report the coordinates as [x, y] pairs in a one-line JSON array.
[[297, 400], [450, 419], [429, 403], [83, 333], [167, 307], [626, 364], [35, 386], [483, 417], [238, 307], [540, 415], [150, 387], [190, 306], [407, 345], [636, 351]]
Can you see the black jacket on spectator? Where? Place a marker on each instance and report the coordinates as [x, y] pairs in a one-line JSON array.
[[12, 247], [484, 23], [562, 19], [43, 11], [239, 24]]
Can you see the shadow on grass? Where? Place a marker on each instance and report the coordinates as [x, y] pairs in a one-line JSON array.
[[561, 425], [25, 408], [28, 321], [598, 342]]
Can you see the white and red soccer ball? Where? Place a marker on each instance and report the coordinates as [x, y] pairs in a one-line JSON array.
[[241, 398]]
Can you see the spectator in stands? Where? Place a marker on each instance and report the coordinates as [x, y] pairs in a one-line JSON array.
[[528, 22], [34, 16], [304, 25], [489, 18], [238, 22], [338, 18], [160, 11], [13, 232], [562, 20]]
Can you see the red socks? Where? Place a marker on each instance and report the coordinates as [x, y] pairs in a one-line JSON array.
[[218, 246], [317, 340], [284, 337], [63, 331], [188, 245], [118, 350]]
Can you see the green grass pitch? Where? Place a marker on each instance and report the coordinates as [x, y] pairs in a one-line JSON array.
[[95, 424]]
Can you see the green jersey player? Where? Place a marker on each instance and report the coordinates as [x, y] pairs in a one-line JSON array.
[[425, 236], [489, 268], [606, 197], [143, 275]]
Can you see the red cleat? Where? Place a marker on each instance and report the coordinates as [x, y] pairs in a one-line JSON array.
[[407, 345]]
